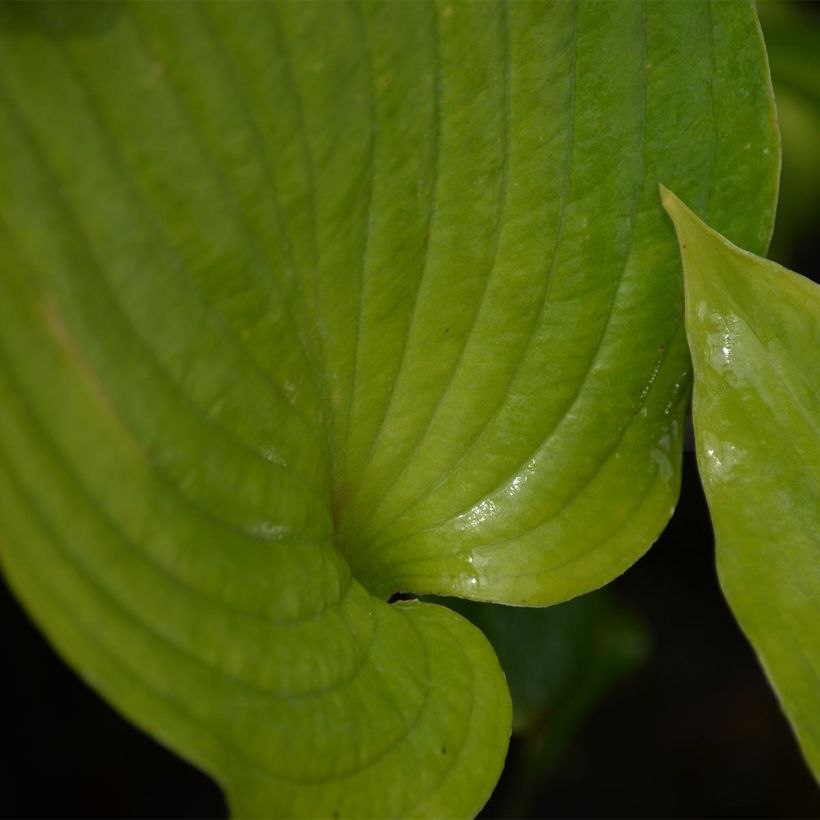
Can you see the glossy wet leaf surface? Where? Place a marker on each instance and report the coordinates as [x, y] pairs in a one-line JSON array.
[[303, 305], [754, 332]]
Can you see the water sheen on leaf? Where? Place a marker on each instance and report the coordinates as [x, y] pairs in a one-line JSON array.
[[302, 305], [754, 332]]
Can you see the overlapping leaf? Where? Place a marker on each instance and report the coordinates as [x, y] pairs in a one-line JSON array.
[[302, 305], [754, 330]]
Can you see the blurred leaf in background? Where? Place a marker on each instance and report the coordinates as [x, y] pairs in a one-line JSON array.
[[560, 662], [792, 34]]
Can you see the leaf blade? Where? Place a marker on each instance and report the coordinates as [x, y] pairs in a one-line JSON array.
[[261, 348], [751, 324]]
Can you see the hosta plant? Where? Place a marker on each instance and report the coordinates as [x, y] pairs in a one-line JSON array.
[[308, 310]]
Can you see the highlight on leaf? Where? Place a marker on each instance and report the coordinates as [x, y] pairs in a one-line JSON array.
[[306, 305], [754, 330]]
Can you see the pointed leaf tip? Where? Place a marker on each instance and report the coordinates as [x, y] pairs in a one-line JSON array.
[[754, 331]]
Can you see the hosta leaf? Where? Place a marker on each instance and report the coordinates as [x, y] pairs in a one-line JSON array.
[[754, 329], [303, 305]]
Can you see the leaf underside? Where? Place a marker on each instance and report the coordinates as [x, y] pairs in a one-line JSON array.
[[302, 305], [754, 332]]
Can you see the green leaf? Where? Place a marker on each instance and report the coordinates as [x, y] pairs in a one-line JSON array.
[[754, 329], [302, 305]]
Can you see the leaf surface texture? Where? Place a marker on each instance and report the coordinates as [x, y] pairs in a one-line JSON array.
[[303, 305]]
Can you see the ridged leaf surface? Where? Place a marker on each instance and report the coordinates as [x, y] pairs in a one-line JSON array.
[[303, 305]]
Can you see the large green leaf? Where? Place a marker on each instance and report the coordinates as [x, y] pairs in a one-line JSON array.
[[754, 332], [302, 305]]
